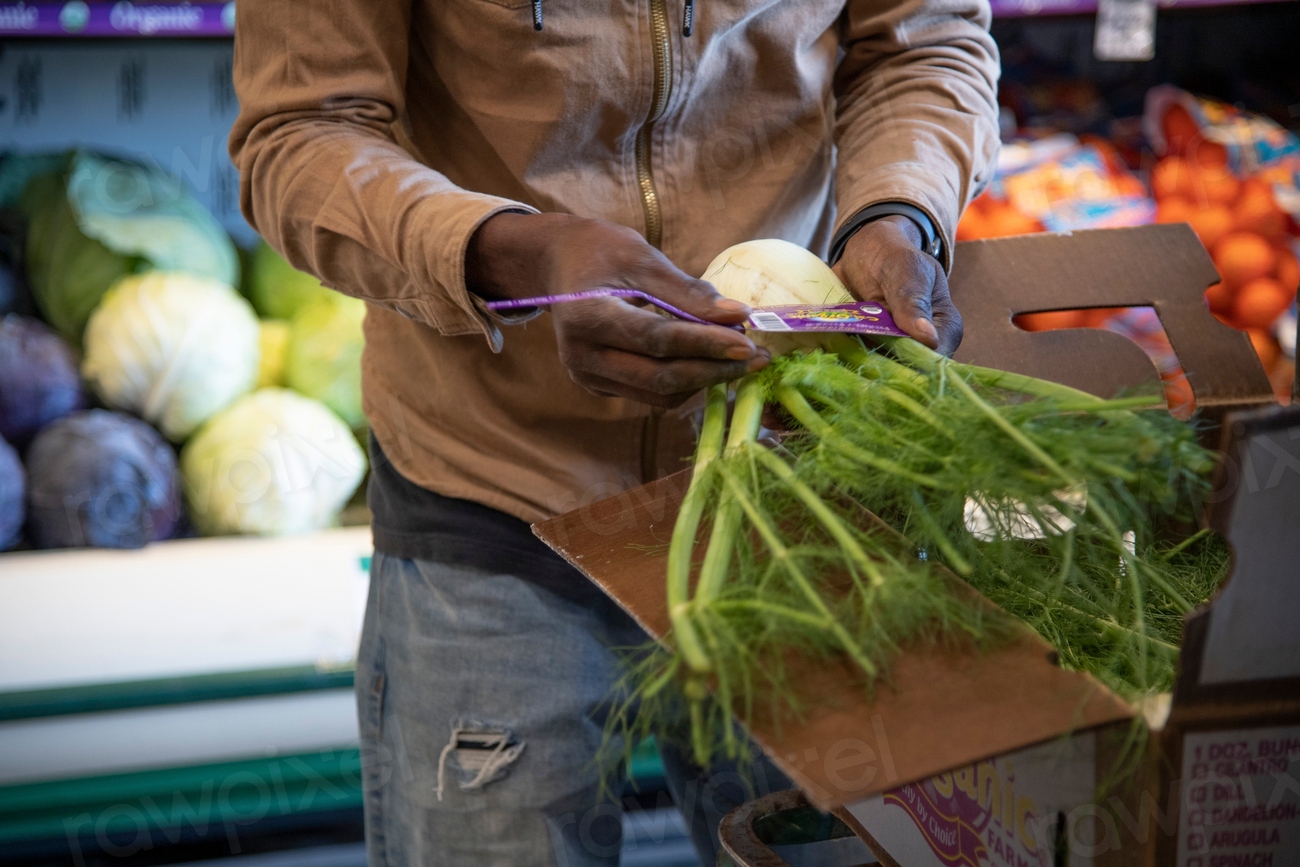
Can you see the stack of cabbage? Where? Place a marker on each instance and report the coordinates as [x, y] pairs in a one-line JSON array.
[[129, 268], [92, 477], [38, 385]]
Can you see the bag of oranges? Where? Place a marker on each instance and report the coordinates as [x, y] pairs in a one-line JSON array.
[[1057, 183], [1235, 178]]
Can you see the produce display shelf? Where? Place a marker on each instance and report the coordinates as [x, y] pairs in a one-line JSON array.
[[222, 800], [75, 18], [73, 746], [114, 628], [180, 691], [156, 692], [167, 801], [223, 648]]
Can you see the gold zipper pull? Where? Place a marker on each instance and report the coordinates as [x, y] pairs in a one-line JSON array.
[[662, 52]]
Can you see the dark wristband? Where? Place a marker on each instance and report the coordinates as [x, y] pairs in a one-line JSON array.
[[931, 242]]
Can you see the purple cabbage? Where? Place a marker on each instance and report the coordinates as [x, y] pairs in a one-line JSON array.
[[39, 381], [13, 490], [101, 479]]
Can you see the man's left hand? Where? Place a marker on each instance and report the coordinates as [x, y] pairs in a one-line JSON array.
[[883, 262]]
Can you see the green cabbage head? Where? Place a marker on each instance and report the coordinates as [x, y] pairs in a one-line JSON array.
[[273, 463], [98, 219], [277, 289], [171, 348], [323, 358]]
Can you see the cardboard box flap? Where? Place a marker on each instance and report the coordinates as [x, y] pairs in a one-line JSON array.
[[943, 709], [1243, 647], [1163, 266]]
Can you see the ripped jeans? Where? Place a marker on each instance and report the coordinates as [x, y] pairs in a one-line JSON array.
[[481, 699]]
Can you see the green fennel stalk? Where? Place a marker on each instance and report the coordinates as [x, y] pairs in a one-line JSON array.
[[918, 439]]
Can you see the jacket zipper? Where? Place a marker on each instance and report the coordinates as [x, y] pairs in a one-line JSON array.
[[654, 223]]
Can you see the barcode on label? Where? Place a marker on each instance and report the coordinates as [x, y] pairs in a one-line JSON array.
[[768, 321]]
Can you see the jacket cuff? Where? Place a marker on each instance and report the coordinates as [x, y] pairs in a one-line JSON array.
[[913, 186], [446, 303]]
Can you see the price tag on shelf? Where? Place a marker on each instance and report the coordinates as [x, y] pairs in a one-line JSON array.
[[1126, 30]]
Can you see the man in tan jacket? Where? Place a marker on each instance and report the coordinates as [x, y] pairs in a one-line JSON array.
[[429, 155]]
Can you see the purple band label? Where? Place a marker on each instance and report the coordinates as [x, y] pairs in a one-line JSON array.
[[123, 18], [856, 317]]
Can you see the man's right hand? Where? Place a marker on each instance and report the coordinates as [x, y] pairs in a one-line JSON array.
[[611, 346]]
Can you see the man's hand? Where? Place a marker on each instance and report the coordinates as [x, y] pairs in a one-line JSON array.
[[612, 347], [883, 262]]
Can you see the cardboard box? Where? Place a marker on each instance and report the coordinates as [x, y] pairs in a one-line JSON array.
[[1218, 784], [997, 759], [1162, 266]]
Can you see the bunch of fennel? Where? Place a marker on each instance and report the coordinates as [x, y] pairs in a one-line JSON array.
[[1070, 512]]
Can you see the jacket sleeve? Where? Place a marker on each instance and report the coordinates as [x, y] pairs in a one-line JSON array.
[[323, 178], [916, 108]]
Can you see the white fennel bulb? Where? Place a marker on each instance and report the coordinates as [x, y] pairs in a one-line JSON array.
[[775, 273]]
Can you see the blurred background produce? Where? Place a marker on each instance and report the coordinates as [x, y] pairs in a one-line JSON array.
[[272, 342], [139, 281], [276, 289], [101, 479], [1231, 174], [13, 496], [273, 463], [172, 348], [323, 354], [95, 219], [1233, 177], [39, 381]]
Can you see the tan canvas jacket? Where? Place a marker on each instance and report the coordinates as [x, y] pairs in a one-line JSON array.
[[376, 135]]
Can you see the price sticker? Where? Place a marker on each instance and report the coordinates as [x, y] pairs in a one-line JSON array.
[[1126, 30], [855, 317]]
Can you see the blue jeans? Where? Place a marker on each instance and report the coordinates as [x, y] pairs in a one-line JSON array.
[[481, 700]]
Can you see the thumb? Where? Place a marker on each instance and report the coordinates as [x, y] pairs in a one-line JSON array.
[[664, 280], [910, 301]]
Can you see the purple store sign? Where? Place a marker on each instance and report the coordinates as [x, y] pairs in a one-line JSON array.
[[77, 18], [1020, 8]]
